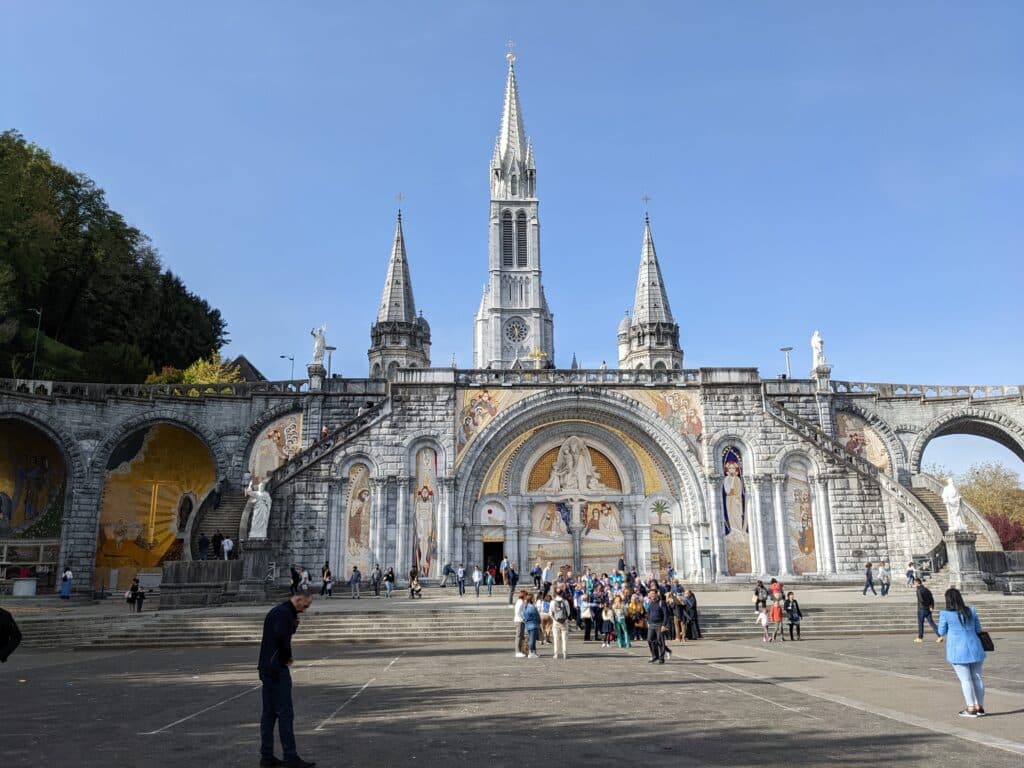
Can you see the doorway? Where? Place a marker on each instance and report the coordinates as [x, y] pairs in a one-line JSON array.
[[493, 552]]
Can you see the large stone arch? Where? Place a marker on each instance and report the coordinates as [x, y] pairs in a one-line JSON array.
[[678, 461], [214, 443], [247, 439], [794, 452], [893, 445], [75, 465], [969, 420]]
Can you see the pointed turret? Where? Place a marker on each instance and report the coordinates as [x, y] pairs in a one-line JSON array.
[[399, 338], [513, 170], [650, 339], [511, 136]]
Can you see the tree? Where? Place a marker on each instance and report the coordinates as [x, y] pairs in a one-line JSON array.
[[212, 370], [1010, 532], [125, 362], [994, 489]]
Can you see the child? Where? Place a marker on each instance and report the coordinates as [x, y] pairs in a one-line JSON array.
[[762, 619], [792, 609], [607, 627], [776, 616], [911, 575], [329, 584]]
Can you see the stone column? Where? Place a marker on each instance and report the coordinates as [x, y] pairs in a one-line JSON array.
[[403, 538], [444, 525], [317, 373], [964, 572], [643, 549], [716, 512], [827, 538], [378, 523], [779, 488], [683, 564], [336, 527], [524, 549], [759, 547], [512, 535]]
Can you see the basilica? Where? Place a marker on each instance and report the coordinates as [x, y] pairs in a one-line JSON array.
[[715, 473]]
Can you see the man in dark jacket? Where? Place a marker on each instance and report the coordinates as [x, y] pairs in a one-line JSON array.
[[275, 660], [512, 577], [204, 546], [657, 626], [10, 635], [925, 604]]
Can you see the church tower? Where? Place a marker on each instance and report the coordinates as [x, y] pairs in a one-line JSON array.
[[651, 338], [513, 322], [399, 339]]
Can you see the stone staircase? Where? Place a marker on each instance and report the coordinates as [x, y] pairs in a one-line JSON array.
[[875, 616], [226, 518], [927, 489]]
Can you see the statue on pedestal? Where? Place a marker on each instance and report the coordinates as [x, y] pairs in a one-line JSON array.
[[817, 351], [319, 343], [260, 500], [954, 507]]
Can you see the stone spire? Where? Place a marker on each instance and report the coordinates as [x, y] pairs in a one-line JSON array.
[[651, 302], [399, 339], [650, 339], [396, 303], [511, 143]]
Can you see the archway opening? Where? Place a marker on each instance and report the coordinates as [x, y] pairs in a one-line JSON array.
[[33, 485], [156, 478]]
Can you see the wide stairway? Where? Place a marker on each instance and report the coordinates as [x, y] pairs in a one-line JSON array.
[[875, 616], [925, 488], [226, 518]]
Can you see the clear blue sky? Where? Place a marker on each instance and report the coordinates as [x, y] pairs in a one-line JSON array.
[[854, 167]]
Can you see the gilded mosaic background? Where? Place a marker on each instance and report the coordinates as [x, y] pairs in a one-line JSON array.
[[281, 440], [31, 479], [859, 438], [476, 408], [680, 409]]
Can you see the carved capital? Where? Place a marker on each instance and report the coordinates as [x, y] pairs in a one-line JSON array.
[[779, 479]]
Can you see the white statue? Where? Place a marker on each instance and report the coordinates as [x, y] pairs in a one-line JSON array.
[[573, 470], [818, 351], [319, 343], [260, 510], [954, 507]]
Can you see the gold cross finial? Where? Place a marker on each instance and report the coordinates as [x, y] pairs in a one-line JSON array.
[[511, 55], [399, 198], [646, 198]]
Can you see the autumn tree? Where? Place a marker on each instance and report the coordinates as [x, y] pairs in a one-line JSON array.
[[211, 370]]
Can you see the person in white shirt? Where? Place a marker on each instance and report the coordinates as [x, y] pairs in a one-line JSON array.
[[548, 577], [227, 546], [519, 625], [478, 577]]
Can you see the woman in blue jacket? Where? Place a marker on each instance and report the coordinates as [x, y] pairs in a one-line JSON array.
[[960, 626], [531, 620]]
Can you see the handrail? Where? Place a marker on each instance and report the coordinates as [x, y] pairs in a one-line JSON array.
[[327, 445], [926, 391], [860, 465]]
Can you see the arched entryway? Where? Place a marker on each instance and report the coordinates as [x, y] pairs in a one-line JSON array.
[[156, 478]]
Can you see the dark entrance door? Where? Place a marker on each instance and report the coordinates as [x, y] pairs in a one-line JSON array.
[[493, 552]]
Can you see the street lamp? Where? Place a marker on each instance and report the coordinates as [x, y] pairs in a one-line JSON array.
[[787, 350], [35, 347], [328, 350], [290, 358]]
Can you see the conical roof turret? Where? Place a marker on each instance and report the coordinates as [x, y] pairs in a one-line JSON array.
[[651, 302], [397, 302], [511, 143]]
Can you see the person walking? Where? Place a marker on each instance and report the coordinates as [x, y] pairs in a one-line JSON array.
[[303, 578], [389, 582], [490, 580], [869, 580], [775, 615], [375, 579], [460, 579], [535, 573], [547, 577], [760, 596], [132, 595], [560, 613], [275, 659], [66, 579], [911, 575], [228, 546], [218, 542], [884, 577], [415, 590], [531, 622], [762, 619], [325, 576], [619, 616], [793, 612], [140, 598], [517, 621], [446, 573], [204, 546], [959, 623], [295, 578], [478, 577], [657, 625], [354, 581], [691, 600], [925, 606], [10, 635], [512, 579]]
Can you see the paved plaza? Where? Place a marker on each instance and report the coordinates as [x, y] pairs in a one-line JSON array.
[[853, 701]]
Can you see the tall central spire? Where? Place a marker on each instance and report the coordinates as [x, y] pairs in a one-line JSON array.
[[511, 143], [396, 303]]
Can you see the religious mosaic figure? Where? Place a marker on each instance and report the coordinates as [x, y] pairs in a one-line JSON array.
[[426, 536], [954, 506], [358, 511], [800, 519], [734, 512], [260, 510], [573, 469]]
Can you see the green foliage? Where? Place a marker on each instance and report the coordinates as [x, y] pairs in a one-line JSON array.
[[994, 490], [168, 375], [98, 280]]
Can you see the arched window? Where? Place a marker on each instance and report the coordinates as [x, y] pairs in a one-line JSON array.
[[507, 239], [515, 185], [521, 240]]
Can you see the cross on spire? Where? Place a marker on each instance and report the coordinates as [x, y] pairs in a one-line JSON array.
[[511, 55]]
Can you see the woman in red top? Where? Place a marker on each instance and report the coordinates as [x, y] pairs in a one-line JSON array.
[[775, 616]]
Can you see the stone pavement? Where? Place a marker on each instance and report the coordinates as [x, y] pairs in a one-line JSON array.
[[851, 701]]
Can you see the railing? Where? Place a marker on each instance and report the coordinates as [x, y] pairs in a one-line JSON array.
[[927, 391], [977, 520], [551, 376], [903, 497], [936, 558], [326, 445]]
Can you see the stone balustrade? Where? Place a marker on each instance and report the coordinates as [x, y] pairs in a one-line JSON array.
[[927, 391], [102, 392]]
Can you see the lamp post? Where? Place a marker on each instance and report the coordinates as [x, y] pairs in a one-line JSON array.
[[787, 350], [328, 350], [291, 359], [35, 346]]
